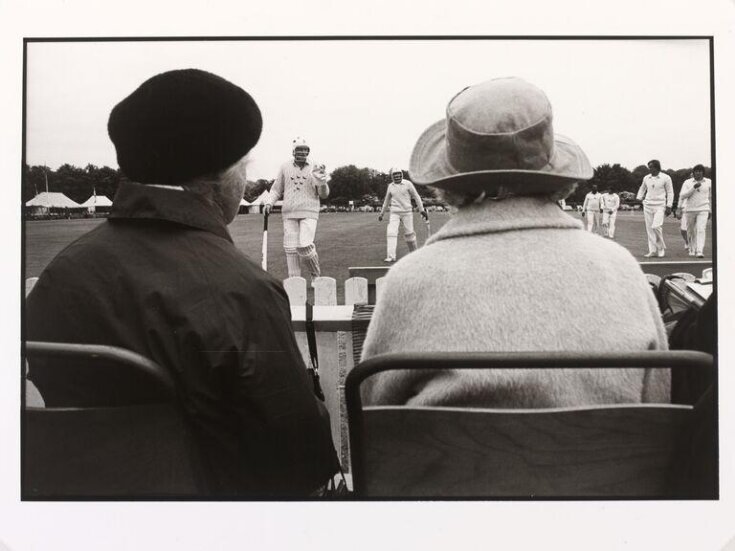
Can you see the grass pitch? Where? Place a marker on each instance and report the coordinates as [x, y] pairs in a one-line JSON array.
[[342, 240]]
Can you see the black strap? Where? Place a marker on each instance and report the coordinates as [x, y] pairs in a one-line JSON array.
[[311, 340]]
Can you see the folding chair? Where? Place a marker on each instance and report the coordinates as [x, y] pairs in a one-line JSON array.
[[629, 450], [126, 451]]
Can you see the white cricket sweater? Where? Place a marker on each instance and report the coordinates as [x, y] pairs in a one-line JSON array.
[[592, 201], [300, 189], [610, 201], [398, 196], [656, 191], [697, 200]]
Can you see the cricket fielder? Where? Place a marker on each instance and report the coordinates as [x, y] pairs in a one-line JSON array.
[[302, 184], [592, 208], [610, 206], [698, 194], [657, 194], [679, 213], [398, 198]]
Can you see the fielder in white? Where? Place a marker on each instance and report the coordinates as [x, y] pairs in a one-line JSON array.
[[302, 184], [697, 191], [680, 215], [610, 206], [592, 209], [398, 199], [657, 194]]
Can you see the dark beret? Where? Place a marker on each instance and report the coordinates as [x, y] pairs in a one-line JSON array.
[[182, 124]]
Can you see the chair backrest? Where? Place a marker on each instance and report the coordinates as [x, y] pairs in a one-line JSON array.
[[128, 451], [630, 450]]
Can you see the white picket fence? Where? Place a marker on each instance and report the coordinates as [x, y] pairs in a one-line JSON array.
[[333, 326], [325, 290]]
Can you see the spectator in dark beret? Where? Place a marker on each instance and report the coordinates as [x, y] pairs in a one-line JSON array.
[[162, 277]]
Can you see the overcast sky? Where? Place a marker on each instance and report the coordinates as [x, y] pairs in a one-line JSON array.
[[366, 102]]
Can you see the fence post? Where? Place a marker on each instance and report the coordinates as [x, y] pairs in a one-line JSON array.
[[296, 290], [356, 290], [325, 291]]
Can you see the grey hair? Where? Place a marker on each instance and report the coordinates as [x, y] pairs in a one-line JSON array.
[[203, 185], [459, 198]]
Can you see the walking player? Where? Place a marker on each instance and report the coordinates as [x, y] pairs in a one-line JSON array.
[[398, 197], [301, 184], [657, 194], [610, 206], [697, 192], [592, 208], [679, 213]]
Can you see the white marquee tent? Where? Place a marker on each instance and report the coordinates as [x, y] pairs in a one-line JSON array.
[[96, 202], [45, 201]]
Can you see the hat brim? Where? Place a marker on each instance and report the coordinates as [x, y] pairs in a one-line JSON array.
[[429, 166]]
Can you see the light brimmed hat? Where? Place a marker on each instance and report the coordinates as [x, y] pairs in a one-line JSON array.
[[498, 133]]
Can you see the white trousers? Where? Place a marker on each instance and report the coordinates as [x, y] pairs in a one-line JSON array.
[[654, 217], [298, 242], [395, 220], [696, 230], [593, 220], [298, 232], [608, 220]]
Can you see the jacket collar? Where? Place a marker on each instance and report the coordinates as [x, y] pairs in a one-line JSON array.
[[515, 213], [138, 201]]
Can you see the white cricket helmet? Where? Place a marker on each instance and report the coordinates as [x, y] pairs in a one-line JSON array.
[[397, 172], [300, 149]]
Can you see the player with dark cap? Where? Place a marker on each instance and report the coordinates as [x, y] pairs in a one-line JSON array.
[[163, 278]]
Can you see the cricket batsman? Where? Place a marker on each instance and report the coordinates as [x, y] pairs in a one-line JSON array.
[[398, 199], [301, 183]]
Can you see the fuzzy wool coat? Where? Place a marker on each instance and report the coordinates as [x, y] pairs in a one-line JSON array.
[[516, 275]]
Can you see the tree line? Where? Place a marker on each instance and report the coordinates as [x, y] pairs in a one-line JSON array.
[[364, 186]]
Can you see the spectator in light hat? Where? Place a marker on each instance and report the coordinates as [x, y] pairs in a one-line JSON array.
[[510, 271]]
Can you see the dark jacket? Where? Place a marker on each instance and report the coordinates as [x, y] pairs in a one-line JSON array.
[[162, 277]]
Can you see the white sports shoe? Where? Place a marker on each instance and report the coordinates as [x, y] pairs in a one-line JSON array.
[[661, 253], [389, 259], [649, 255]]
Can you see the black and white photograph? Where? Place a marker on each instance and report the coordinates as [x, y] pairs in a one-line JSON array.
[[320, 275]]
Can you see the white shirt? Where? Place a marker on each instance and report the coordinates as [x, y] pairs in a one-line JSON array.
[[657, 190], [610, 201], [592, 201], [697, 200], [398, 197]]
